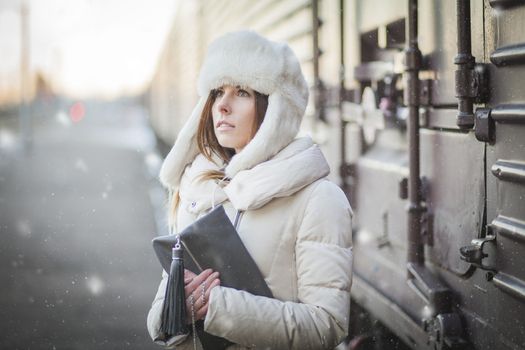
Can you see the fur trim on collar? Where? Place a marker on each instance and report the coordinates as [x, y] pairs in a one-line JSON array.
[[247, 59]]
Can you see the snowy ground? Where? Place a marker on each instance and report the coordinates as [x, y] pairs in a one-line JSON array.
[[77, 214]]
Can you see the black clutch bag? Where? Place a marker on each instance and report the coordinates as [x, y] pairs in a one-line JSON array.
[[212, 242]]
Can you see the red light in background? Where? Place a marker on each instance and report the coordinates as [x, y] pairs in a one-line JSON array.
[[77, 112]]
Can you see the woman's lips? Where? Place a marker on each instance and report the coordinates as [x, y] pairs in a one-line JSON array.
[[224, 126]]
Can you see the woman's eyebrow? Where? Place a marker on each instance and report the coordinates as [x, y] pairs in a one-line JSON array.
[[247, 89]]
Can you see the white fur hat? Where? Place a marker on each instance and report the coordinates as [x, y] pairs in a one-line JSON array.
[[245, 58]]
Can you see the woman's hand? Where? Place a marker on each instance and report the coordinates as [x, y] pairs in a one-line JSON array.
[[200, 286]]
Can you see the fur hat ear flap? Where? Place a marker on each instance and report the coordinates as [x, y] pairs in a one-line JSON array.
[[280, 126], [184, 150]]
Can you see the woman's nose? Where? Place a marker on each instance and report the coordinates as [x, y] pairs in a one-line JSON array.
[[224, 104]]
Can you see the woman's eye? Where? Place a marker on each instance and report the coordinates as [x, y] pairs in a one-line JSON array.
[[219, 92], [243, 93]]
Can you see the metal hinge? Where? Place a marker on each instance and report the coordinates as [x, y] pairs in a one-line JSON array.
[[472, 84], [484, 127], [445, 331], [475, 255]]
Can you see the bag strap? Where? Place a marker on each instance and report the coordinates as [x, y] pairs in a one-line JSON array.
[[237, 220]]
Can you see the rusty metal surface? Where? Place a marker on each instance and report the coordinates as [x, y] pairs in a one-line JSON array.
[[505, 27], [440, 118], [506, 195], [380, 241], [492, 318], [453, 164], [437, 38], [506, 157]]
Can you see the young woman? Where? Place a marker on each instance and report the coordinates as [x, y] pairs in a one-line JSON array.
[[239, 149]]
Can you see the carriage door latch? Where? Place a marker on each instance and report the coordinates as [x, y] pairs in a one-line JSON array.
[[475, 254]]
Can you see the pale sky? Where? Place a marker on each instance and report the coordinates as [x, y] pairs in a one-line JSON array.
[[89, 47]]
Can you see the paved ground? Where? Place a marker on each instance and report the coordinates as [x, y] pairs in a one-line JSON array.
[[77, 215]]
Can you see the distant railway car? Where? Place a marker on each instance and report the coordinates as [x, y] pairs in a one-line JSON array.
[[420, 108]]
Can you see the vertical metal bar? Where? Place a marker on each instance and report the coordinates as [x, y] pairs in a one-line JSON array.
[[463, 26], [315, 37], [465, 71], [344, 174], [318, 86], [413, 64]]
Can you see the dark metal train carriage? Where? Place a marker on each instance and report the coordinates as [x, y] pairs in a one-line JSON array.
[[421, 105], [439, 188]]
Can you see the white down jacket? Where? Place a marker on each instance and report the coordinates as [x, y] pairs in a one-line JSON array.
[[296, 225]]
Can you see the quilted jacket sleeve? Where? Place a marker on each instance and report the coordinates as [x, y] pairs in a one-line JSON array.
[[154, 319], [323, 252]]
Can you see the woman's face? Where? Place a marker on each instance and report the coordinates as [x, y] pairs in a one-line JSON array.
[[233, 116]]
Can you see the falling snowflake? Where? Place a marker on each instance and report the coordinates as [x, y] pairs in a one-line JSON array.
[[95, 284], [81, 165], [23, 228], [63, 119], [7, 140], [153, 161]]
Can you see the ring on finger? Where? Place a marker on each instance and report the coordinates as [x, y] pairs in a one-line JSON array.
[[203, 293]]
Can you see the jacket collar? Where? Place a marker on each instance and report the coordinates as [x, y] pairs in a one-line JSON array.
[[293, 168]]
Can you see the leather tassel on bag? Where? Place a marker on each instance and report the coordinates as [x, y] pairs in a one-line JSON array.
[[174, 309]]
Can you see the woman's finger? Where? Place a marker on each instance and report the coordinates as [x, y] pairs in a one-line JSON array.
[[191, 289], [201, 313], [201, 292], [191, 286], [209, 280], [189, 276], [201, 303], [200, 309]]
